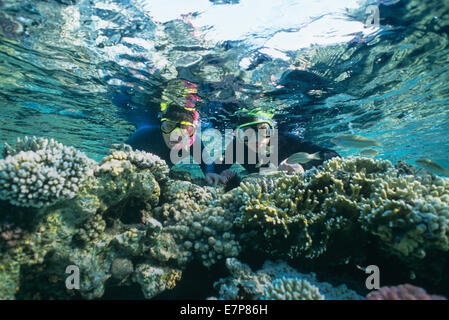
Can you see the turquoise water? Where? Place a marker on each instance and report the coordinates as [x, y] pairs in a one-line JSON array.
[[66, 64], [90, 73]]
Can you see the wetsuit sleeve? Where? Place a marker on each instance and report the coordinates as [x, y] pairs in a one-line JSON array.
[[149, 139]]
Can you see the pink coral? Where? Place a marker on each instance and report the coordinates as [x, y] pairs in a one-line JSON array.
[[402, 292]]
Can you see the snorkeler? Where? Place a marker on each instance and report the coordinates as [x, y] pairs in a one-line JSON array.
[[255, 130], [176, 136]]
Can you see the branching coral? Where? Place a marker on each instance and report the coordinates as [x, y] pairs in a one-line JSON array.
[[291, 289], [40, 172], [299, 215], [277, 281], [125, 174], [164, 223], [140, 159]]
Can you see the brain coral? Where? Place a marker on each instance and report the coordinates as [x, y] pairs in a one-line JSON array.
[[40, 172]]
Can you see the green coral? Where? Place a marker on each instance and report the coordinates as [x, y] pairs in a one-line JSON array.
[[75, 232], [299, 215], [131, 223]]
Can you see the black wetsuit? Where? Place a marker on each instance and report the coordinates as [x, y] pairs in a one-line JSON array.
[[288, 144], [150, 139]]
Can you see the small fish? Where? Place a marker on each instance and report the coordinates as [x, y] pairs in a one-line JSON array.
[[432, 165], [369, 153], [354, 141], [303, 157]]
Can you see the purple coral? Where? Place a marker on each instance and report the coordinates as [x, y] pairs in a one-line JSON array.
[[402, 292]]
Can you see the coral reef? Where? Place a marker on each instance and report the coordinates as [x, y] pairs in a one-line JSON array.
[[402, 292], [126, 222], [291, 289], [40, 172], [301, 215], [194, 222], [82, 231], [154, 280], [277, 281]]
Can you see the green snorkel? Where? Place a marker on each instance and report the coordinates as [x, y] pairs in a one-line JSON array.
[[262, 116]]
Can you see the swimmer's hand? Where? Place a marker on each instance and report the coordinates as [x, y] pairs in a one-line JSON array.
[[290, 168], [214, 179]]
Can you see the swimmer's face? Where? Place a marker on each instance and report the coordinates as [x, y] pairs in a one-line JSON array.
[[263, 132], [177, 139], [177, 135]]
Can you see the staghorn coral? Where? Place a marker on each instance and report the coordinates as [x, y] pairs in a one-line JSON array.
[[40, 172], [278, 281], [402, 292], [301, 215]]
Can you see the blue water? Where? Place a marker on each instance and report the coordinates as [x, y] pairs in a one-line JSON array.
[[90, 73]]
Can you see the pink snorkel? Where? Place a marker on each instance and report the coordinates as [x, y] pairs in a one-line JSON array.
[[187, 100]]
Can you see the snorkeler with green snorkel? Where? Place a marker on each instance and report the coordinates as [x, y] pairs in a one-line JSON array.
[[257, 132]]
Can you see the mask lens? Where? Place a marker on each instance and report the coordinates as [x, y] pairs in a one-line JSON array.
[[168, 126]]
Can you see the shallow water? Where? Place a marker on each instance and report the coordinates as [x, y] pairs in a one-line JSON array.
[[89, 73]]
